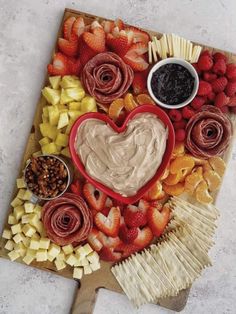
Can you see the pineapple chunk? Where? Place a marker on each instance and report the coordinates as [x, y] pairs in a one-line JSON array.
[[69, 126], [16, 228], [66, 152], [45, 111], [54, 114], [88, 104], [44, 141], [58, 148], [74, 114], [78, 272], [48, 130], [20, 183], [65, 98], [38, 153], [55, 81], [16, 202], [45, 119], [12, 219], [62, 107], [60, 264], [69, 81], [50, 148], [76, 93], [74, 105], [13, 255], [9, 245], [19, 212], [63, 120], [7, 234], [52, 96], [62, 139]]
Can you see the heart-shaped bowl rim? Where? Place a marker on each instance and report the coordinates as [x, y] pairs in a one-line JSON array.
[[101, 116]]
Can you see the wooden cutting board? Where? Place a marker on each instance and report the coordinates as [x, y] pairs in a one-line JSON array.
[[90, 284]]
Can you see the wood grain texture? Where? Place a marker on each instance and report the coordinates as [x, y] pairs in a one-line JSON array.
[[89, 285]]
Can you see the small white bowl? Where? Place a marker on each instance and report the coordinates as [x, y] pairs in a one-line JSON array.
[[185, 64]]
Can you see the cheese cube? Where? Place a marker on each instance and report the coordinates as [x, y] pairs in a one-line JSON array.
[[12, 219], [34, 244], [18, 238], [20, 183], [39, 227], [31, 253], [78, 262], [51, 258], [21, 193], [28, 259], [61, 256], [29, 207], [9, 245], [28, 230], [68, 249], [19, 212], [41, 255], [60, 264], [93, 257], [26, 241], [27, 196], [20, 248], [38, 210], [33, 219], [16, 202], [87, 248], [87, 270], [16, 228], [78, 272], [35, 236], [84, 261], [25, 218], [44, 243], [7, 234], [54, 250], [71, 260], [95, 266], [80, 252], [13, 255]]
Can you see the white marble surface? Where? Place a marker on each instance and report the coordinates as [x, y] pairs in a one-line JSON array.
[[27, 32]]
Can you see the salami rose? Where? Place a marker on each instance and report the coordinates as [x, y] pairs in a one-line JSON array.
[[107, 77], [208, 133], [67, 219]]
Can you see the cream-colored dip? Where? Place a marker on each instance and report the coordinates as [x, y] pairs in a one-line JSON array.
[[122, 161]]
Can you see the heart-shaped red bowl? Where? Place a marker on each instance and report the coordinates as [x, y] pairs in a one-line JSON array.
[[166, 157]]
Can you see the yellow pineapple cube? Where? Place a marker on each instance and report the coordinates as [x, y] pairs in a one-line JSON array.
[[74, 114], [55, 81], [54, 114], [38, 153], [45, 140], [62, 139], [48, 130], [65, 98], [88, 104], [63, 120], [52, 95], [74, 105], [65, 152], [69, 126], [76, 93], [45, 119], [45, 111], [50, 148], [69, 81]]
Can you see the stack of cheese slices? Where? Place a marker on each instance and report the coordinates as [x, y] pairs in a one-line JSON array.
[[176, 261]]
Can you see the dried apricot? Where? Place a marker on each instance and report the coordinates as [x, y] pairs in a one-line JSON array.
[[218, 165], [115, 108], [178, 150], [213, 179], [144, 99], [129, 102], [155, 192], [165, 174], [181, 163], [174, 190], [202, 194], [173, 179]]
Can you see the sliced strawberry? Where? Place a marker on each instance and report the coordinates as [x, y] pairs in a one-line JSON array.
[[108, 254], [78, 26], [110, 224], [157, 221], [96, 39], [119, 23], [135, 57], [68, 47], [74, 66], [75, 187], [143, 205], [108, 26], [139, 83], [94, 241], [109, 241], [126, 249], [109, 202], [94, 197], [119, 45], [67, 27], [128, 235], [140, 36], [134, 217], [59, 65], [85, 52], [144, 237]]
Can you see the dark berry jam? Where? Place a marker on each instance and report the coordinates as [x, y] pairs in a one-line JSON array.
[[172, 84]]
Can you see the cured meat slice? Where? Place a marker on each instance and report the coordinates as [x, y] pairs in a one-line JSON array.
[[67, 219], [107, 77], [208, 133]]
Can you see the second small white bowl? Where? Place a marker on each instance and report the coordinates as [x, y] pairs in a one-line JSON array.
[[185, 64]]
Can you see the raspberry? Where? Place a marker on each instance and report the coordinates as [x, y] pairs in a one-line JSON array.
[[221, 100], [219, 67], [175, 115], [230, 89], [204, 88], [233, 109], [232, 102], [179, 124], [211, 96], [197, 102], [205, 63], [219, 55], [187, 112], [219, 84], [180, 135], [196, 68], [206, 53], [231, 71], [224, 109], [209, 77]]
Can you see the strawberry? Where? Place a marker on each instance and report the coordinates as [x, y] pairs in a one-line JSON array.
[[230, 89], [211, 96], [195, 65], [119, 23], [110, 224], [175, 115], [109, 202], [94, 241], [209, 77], [156, 204], [108, 254], [59, 65], [134, 217], [180, 135], [68, 47], [67, 27], [221, 100], [119, 45], [95, 39], [126, 249], [74, 66], [108, 241], [139, 83], [231, 71], [143, 205], [128, 235], [144, 237], [232, 102], [197, 102], [219, 55], [78, 26], [75, 187], [157, 221], [224, 109], [108, 26], [187, 112], [219, 84], [94, 197], [205, 63], [140, 36], [135, 57], [105, 211], [179, 124], [219, 67], [85, 52], [204, 88]]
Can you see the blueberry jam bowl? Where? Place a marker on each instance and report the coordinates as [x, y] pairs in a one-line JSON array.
[[172, 83]]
